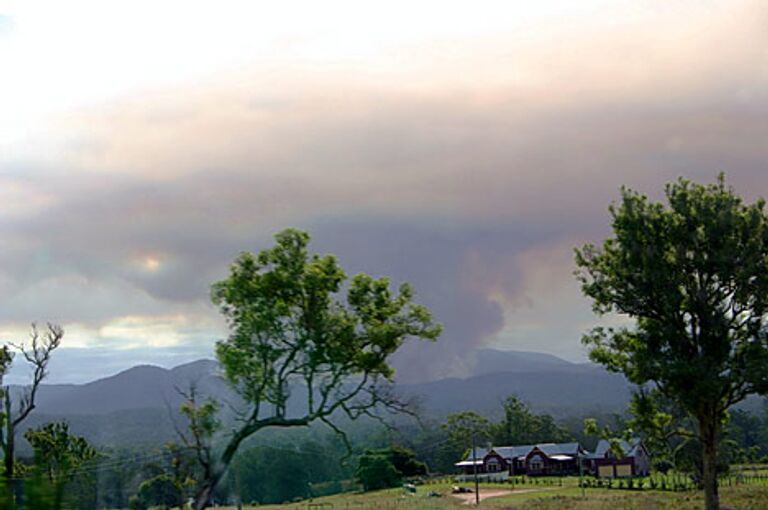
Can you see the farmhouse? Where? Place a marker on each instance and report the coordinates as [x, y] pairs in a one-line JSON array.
[[501, 462], [554, 459], [634, 460]]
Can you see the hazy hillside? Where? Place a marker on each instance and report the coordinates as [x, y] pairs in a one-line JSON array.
[[140, 387], [488, 361], [546, 382], [138, 405]]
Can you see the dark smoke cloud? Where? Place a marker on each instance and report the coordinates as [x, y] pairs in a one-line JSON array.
[[471, 192]]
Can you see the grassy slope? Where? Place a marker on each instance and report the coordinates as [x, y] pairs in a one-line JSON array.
[[745, 497]]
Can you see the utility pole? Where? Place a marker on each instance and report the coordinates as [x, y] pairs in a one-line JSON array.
[[512, 469], [581, 472], [474, 465]]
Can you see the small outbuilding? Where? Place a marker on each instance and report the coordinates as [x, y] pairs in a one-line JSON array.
[[632, 460]]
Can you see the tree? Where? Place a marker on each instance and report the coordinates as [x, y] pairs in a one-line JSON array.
[[693, 274], [162, 491], [405, 461], [521, 426], [37, 354], [461, 426], [170, 479], [57, 451], [202, 425], [59, 454], [466, 429], [386, 467], [376, 471], [300, 327]]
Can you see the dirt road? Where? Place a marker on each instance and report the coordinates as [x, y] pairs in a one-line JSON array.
[[469, 498]]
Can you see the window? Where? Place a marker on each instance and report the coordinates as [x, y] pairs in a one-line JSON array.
[[536, 462], [493, 465]]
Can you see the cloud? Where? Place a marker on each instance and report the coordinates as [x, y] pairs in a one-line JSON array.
[[469, 165]]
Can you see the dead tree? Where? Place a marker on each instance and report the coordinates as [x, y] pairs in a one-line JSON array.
[[38, 354]]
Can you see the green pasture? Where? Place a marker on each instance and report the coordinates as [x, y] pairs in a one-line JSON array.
[[741, 496]]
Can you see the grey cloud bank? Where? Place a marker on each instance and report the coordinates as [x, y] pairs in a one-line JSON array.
[[474, 191]]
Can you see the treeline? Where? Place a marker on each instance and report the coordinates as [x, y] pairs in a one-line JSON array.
[[286, 466], [441, 444], [277, 469], [747, 436]]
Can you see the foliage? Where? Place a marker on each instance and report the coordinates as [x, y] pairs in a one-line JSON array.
[[750, 434], [521, 426], [405, 462], [171, 479], [292, 464], [693, 274], [58, 452], [202, 425], [431, 444], [160, 491], [386, 467], [376, 471], [38, 354], [298, 326], [463, 426]]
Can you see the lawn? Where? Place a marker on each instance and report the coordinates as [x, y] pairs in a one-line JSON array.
[[533, 497]]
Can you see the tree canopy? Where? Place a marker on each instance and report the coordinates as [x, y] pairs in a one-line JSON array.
[[693, 276], [520, 425], [300, 327]]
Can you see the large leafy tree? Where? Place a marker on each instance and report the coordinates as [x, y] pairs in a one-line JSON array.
[[693, 274], [300, 327]]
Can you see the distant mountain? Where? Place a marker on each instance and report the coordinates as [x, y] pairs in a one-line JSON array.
[[489, 361], [137, 406], [140, 405], [140, 387], [548, 383]]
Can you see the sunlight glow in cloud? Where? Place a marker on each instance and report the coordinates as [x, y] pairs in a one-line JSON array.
[[466, 147], [151, 264]]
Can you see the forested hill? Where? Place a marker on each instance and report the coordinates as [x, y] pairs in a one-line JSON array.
[[140, 387], [137, 405], [545, 381]]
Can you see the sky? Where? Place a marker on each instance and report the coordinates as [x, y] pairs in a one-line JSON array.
[[466, 147]]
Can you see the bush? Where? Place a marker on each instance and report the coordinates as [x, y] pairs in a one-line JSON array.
[[136, 503], [376, 472]]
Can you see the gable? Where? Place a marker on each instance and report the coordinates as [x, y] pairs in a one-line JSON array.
[[630, 448]]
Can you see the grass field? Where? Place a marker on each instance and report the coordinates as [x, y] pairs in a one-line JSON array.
[[566, 497]]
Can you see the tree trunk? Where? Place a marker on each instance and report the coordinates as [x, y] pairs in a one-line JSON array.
[[9, 437], [9, 447], [708, 429], [203, 496]]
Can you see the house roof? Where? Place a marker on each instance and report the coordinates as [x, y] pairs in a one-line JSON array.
[[509, 452], [522, 451], [551, 449], [479, 454], [468, 463], [629, 448]]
